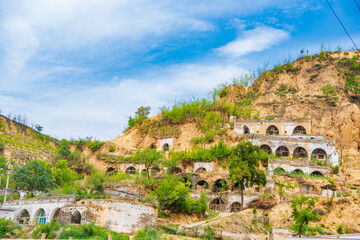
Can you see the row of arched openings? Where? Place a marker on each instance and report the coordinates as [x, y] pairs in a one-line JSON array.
[[273, 130], [299, 152], [219, 205], [40, 216], [280, 170], [132, 170]]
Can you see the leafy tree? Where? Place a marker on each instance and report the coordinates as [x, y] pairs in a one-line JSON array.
[[244, 166], [140, 115], [174, 195], [303, 212], [34, 176], [63, 174], [63, 151], [149, 157]]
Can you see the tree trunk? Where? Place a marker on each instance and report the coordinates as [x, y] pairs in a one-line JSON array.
[[242, 195]]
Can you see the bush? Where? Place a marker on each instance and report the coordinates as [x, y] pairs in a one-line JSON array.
[[335, 170], [49, 229], [147, 234], [112, 148], [328, 90], [340, 229], [91, 231], [2, 146], [95, 145], [7, 227]]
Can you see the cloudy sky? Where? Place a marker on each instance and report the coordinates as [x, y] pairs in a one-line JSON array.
[[81, 67]]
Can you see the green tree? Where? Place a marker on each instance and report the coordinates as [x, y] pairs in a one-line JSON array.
[[63, 151], [174, 195], [34, 176], [140, 115], [64, 176], [302, 213], [244, 166], [149, 157]]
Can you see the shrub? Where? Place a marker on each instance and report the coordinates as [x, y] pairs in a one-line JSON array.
[[7, 227], [147, 234], [49, 229], [340, 229], [112, 148], [95, 145], [2, 146], [328, 90], [335, 170]]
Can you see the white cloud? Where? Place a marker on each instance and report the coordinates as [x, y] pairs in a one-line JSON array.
[[102, 110], [255, 40]]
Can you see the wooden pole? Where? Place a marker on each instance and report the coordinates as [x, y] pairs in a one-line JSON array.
[[70, 238], [43, 236], [110, 236]]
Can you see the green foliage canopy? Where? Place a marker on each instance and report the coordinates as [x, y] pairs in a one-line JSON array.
[[303, 212], [244, 166], [34, 176], [63, 174]]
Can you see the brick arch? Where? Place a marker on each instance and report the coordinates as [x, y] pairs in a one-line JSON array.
[[266, 148], [200, 170], [272, 130], [317, 173], [23, 217], [130, 170], [246, 130], [76, 217], [235, 207], [40, 216], [218, 204], [299, 130], [282, 151], [319, 154], [55, 214], [220, 184], [203, 184], [300, 152]]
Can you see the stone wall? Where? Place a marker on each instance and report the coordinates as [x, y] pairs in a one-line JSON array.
[[116, 215]]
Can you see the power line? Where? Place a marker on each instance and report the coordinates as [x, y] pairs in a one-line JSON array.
[[342, 24], [357, 4]]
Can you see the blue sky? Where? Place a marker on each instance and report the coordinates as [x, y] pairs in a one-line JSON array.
[[80, 67]]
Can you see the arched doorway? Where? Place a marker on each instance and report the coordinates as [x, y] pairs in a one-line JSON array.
[[300, 152], [266, 148], [279, 170], [76, 217], [55, 215], [235, 207], [23, 217], [131, 170], [166, 147], [200, 170], [282, 152], [272, 130], [298, 172], [220, 185], [217, 205], [299, 130], [110, 171], [202, 184], [155, 169], [40, 216], [319, 154], [246, 130], [317, 173], [176, 170]]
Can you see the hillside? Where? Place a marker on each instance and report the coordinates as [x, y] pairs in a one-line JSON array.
[[320, 88], [22, 143]]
